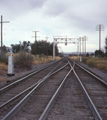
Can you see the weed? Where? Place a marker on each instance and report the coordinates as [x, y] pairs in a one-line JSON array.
[[3, 68], [44, 59], [3, 58], [75, 58], [100, 63], [23, 59]]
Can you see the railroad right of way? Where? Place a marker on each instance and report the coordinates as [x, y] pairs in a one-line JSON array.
[[62, 91]]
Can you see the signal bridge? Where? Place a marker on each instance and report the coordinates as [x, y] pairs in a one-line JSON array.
[[65, 40]]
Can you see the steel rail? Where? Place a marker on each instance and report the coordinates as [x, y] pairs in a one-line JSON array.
[[31, 87], [54, 97], [27, 97], [100, 80], [23, 78], [91, 104]]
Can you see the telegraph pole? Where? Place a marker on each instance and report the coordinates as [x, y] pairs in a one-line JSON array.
[[35, 41], [46, 46], [99, 37], [83, 46], [2, 30], [100, 28], [85, 43], [80, 44]]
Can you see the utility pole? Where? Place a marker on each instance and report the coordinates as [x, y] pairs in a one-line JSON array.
[[53, 50], [100, 28], [78, 49], [35, 41], [2, 30], [85, 43], [83, 46], [46, 46], [80, 44]]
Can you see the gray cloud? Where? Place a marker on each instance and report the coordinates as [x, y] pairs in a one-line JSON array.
[[53, 17], [80, 13], [56, 7], [17, 8]]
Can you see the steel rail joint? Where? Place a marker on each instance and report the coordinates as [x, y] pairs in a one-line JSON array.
[[100, 80], [31, 87], [25, 99], [54, 97], [23, 78], [91, 104]]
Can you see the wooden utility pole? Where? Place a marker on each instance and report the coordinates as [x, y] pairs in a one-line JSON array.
[[80, 44], [2, 30], [85, 43], [35, 41], [83, 46], [46, 46], [99, 37]]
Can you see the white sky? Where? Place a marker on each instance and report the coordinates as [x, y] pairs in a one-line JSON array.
[[54, 18]]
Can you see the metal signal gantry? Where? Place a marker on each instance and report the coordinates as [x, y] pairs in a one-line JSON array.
[[65, 40]]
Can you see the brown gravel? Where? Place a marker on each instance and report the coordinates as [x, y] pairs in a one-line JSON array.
[[19, 72]]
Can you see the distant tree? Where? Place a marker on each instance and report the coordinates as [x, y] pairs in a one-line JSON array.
[[43, 47], [61, 55], [15, 48], [21, 46], [99, 53], [87, 55], [92, 54], [3, 49], [105, 54], [26, 45], [106, 46]]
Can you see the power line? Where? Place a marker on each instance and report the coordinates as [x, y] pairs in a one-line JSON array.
[[35, 40], [82, 45], [2, 30], [85, 43], [46, 46], [100, 28]]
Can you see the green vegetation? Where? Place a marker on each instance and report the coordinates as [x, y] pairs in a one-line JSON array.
[[23, 59], [42, 47], [99, 53], [3, 58], [97, 63], [41, 59], [100, 63]]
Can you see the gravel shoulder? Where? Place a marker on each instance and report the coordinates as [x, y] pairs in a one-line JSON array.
[[19, 73], [22, 72], [102, 74]]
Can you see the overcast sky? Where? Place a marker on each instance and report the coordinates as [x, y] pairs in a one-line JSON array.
[[71, 18]]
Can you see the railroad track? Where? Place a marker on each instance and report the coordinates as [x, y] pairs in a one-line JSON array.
[[96, 89], [24, 78], [71, 104], [18, 89], [74, 91]]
